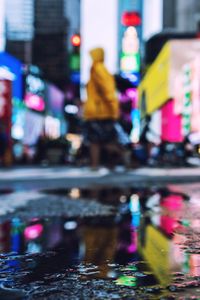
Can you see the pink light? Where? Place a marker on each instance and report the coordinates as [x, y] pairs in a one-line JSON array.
[[132, 93], [168, 220], [34, 102], [171, 123], [32, 232]]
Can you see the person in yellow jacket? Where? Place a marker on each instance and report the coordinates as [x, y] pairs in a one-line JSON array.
[[101, 109], [102, 102]]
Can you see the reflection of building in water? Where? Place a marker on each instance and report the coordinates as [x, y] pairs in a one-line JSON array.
[[100, 245], [172, 205], [156, 250], [157, 242], [5, 237]]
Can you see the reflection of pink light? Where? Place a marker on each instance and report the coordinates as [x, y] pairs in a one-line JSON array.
[[195, 265], [134, 241], [34, 102], [32, 232], [172, 204], [132, 93]]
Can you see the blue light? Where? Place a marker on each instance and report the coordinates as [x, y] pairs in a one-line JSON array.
[[14, 66], [133, 77]]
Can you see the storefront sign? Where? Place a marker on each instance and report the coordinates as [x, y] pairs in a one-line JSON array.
[[12, 67], [171, 124], [34, 90], [5, 116], [187, 101], [130, 57], [52, 127], [34, 102], [5, 104], [160, 81], [55, 105]]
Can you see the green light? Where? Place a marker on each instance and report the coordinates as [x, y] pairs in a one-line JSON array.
[[130, 62], [127, 281]]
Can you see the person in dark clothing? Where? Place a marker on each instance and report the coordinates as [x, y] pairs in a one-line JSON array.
[[41, 148], [143, 137], [3, 145]]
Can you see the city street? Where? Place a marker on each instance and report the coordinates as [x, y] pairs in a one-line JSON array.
[[99, 150]]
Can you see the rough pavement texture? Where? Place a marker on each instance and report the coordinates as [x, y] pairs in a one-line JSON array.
[[36, 205]]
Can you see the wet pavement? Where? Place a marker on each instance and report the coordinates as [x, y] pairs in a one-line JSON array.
[[101, 243]]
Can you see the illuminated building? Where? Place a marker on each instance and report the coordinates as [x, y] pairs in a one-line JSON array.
[[38, 32]]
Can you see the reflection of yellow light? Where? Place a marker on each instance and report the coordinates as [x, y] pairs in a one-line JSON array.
[[156, 251], [74, 193], [199, 150]]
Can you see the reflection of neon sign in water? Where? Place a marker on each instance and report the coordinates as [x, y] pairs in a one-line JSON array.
[[33, 232], [135, 210], [172, 206], [125, 280]]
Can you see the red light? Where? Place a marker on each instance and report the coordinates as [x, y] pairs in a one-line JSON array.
[[131, 19], [76, 40]]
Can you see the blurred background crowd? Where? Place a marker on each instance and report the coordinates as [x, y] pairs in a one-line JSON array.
[[152, 51]]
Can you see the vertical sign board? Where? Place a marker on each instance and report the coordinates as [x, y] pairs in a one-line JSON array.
[[5, 115], [10, 64]]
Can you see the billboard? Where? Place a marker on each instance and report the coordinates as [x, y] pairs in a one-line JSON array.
[[13, 67], [5, 118], [55, 101], [34, 89], [34, 127], [159, 84], [171, 124], [154, 88]]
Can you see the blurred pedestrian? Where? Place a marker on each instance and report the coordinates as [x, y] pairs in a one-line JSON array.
[[3, 145], [41, 148], [144, 136], [101, 110]]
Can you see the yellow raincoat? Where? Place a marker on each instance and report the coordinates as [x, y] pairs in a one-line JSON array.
[[101, 103]]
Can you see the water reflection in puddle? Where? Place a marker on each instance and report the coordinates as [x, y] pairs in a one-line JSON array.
[[152, 246]]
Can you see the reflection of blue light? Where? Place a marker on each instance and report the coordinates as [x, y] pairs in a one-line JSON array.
[[134, 207], [70, 225], [15, 235], [135, 116], [135, 219]]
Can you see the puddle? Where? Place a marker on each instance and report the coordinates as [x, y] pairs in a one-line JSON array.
[[150, 249]]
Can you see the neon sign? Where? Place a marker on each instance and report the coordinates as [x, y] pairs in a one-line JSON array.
[[130, 57]]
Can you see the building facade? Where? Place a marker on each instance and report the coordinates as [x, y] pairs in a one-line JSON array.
[[38, 32]]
